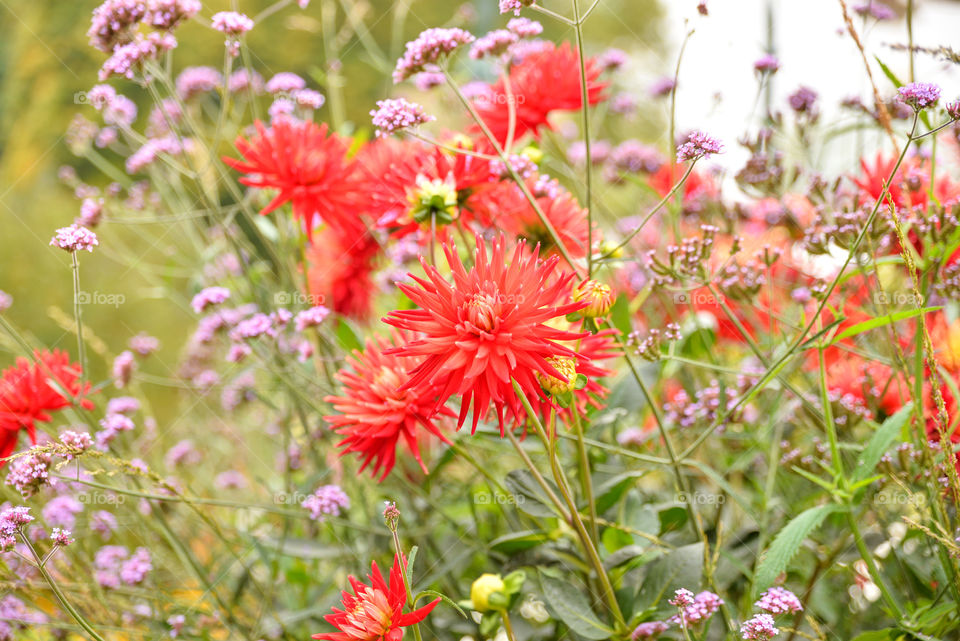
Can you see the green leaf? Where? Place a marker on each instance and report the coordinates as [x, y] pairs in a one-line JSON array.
[[528, 495], [620, 314], [878, 635], [519, 541], [445, 599], [348, 338], [788, 542], [881, 321], [570, 605], [672, 518], [885, 436], [681, 568], [610, 491]]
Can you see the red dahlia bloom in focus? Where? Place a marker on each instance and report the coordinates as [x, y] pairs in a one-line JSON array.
[[29, 391], [375, 412], [375, 612], [310, 169], [545, 81], [410, 184], [487, 327], [339, 272]]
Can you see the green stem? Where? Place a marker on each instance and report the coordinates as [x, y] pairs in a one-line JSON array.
[[61, 597], [402, 560], [871, 565], [608, 593], [585, 109], [81, 347]]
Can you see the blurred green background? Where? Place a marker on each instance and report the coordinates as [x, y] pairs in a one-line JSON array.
[[45, 61]]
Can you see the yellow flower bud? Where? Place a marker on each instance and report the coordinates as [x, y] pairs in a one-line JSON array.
[[532, 154], [567, 367], [482, 588], [599, 298]]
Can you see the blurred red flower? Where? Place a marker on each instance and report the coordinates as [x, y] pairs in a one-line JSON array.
[[30, 391], [375, 410], [487, 328], [375, 612], [339, 272], [309, 168], [544, 81]]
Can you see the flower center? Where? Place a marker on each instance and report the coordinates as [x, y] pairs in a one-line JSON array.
[[481, 311], [435, 200]]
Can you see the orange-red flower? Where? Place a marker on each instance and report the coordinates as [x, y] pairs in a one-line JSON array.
[[339, 272], [544, 81], [309, 169], [410, 184], [376, 412], [487, 328], [375, 612], [505, 207], [30, 391], [909, 188]]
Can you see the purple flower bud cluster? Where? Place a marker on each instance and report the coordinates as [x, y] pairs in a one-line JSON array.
[[649, 630], [875, 8], [779, 600], [919, 95], [396, 114], [6, 301], [115, 566], [113, 425], [29, 472], [428, 48], [244, 80], [285, 82], [524, 27], [760, 628], [767, 63], [11, 521], [310, 317], [698, 145], [14, 615], [167, 14], [151, 150], [76, 443], [62, 511], [632, 156], [183, 453], [113, 23], [194, 81], [520, 164], [209, 297], [124, 365], [506, 6], [804, 101], [327, 500], [231, 23], [494, 43], [126, 58], [75, 238], [694, 609], [612, 59]]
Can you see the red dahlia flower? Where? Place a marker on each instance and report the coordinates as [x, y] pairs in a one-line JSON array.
[[411, 183], [339, 270], [487, 328], [376, 412], [375, 612], [545, 81], [29, 391], [310, 169]]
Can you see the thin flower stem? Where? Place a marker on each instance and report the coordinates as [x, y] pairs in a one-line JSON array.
[[650, 214], [585, 112], [402, 560], [553, 14], [608, 593], [61, 597], [507, 625], [586, 479], [542, 482], [521, 183], [77, 315]]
